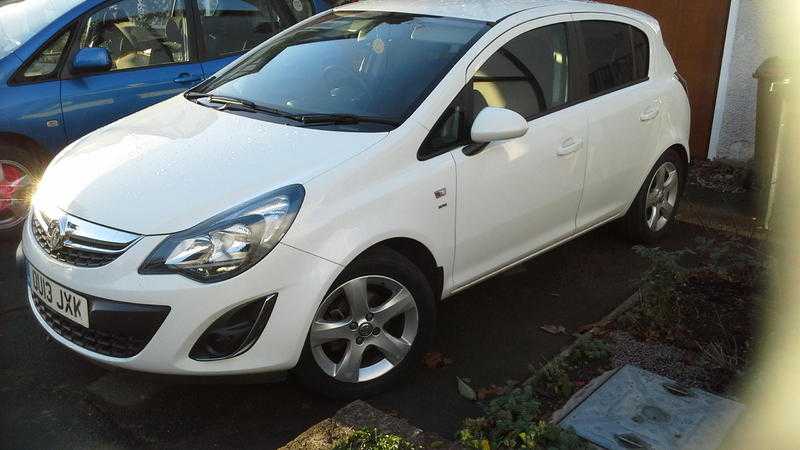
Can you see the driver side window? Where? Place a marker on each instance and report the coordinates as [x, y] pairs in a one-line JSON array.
[[139, 33]]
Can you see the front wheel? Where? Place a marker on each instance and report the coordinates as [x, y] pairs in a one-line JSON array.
[[371, 330], [18, 170], [654, 210]]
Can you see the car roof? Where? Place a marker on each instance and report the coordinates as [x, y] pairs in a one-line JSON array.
[[490, 10]]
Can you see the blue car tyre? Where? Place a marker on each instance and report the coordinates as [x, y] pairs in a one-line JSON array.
[[19, 169]]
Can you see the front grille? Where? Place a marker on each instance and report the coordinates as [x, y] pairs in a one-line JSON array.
[[78, 242], [74, 257], [105, 343]]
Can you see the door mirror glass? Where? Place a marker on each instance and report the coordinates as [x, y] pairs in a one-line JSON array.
[[498, 124], [91, 60]]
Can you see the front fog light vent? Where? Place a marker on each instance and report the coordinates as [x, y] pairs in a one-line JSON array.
[[235, 332]]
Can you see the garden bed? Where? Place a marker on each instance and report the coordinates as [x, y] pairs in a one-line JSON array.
[[693, 320]]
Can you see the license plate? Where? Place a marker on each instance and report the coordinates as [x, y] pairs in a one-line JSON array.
[[59, 299]]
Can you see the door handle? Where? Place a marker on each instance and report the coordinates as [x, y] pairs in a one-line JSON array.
[[569, 146], [187, 78], [650, 114]]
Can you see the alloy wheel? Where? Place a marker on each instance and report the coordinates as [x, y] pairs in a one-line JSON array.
[[364, 329], [16, 186], [662, 196]]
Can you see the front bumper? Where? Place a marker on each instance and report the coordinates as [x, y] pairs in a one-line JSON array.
[[299, 278]]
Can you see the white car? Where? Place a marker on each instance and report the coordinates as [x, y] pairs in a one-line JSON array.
[[307, 207]]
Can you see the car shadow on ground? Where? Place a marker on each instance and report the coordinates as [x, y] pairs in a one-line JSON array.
[[491, 332]]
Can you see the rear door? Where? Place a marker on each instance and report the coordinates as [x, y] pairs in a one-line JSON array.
[[152, 55], [229, 28], [623, 106]]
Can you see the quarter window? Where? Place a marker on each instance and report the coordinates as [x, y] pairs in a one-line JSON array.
[[235, 26], [139, 33], [529, 75], [609, 55], [641, 53], [46, 62]]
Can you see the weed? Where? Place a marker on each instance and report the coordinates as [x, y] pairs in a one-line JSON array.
[[373, 439], [514, 420], [719, 357]]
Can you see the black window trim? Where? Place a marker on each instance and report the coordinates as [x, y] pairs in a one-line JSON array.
[[464, 100], [19, 78], [574, 70], [578, 83], [582, 48]]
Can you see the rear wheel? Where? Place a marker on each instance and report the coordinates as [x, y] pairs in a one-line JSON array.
[[371, 330], [653, 212], [18, 171]]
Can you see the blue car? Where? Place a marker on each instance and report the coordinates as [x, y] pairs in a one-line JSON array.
[[68, 67]]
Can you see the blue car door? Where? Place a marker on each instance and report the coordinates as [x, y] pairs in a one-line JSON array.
[[229, 28], [150, 46]]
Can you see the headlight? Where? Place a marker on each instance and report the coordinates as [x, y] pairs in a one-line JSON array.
[[229, 243]]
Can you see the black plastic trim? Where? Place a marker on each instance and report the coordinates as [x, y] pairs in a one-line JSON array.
[[127, 321], [198, 353]]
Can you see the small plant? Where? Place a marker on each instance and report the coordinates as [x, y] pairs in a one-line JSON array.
[[589, 351], [374, 440], [553, 380], [514, 420], [660, 308], [545, 435], [721, 358], [733, 260]]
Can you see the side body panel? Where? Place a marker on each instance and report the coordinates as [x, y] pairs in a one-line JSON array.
[[383, 193]]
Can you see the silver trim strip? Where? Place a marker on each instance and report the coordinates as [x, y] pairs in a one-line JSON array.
[[82, 235]]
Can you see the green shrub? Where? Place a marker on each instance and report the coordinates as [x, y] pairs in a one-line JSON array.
[[374, 440]]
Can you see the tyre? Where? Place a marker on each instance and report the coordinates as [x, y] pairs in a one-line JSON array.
[[371, 330], [19, 170], [653, 212]]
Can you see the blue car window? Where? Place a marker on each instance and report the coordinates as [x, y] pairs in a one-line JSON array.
[[46, 62], [139, 33], [234, 26]]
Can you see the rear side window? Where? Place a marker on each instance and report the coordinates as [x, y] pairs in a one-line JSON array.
[[609, 55], [529, 75], [641, 53], [234, 26]]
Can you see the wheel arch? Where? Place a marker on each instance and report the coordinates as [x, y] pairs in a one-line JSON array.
[[25, 142], [419, 255], [678, 148]]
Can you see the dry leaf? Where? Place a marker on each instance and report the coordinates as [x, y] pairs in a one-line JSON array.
[[465, 390], [554, 329], [436, 360], [491, 391]]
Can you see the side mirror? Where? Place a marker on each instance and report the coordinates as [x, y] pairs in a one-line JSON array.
[[91, 60], [498, 124]]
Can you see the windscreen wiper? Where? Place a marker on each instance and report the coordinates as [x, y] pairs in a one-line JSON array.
[[233, 103], [344, 119]]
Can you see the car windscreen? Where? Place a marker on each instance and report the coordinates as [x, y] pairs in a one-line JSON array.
[[20, 20], [367, 64]]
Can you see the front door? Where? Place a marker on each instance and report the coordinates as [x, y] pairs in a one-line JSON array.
[[149, 45], [521, 195]]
